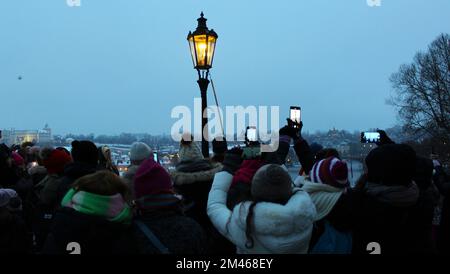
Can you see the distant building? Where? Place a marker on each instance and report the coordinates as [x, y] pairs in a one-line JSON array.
[[19, 136]]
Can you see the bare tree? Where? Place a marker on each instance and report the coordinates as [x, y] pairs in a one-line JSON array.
[[422, 91]]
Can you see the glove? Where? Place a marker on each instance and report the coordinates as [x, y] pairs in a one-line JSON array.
[[384, 139], [293, 129], [232, 160]]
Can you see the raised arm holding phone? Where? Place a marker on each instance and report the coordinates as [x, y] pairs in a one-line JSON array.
[[293, 131]]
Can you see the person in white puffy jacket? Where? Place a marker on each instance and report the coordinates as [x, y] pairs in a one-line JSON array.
[[278, 220]]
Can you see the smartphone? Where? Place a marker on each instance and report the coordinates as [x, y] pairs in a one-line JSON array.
[[370, 137], [155, 156], [295, 114], [251, 135]]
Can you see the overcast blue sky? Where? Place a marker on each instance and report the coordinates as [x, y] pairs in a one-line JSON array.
[[114, 66]]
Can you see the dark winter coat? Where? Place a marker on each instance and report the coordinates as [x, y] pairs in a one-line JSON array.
[[45, 207], [380, 214], [8, 177], [47, 189], [421, 216], [420, 222], [195, 187], [442, 181], [178, 233], [37, 174], [14, 237], [95, 235]]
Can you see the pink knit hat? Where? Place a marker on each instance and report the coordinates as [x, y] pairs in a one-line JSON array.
[[330, 171], [151, 178]]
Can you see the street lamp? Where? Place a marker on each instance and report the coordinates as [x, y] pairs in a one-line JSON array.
[[202, 43]]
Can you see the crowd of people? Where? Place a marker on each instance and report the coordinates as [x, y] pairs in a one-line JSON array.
[[51, 198]]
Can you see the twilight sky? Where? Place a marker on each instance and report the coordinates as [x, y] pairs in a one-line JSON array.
[[112, 66]]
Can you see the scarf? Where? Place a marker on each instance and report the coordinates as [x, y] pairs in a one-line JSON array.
[[113, 208], [323, 196], [398, 196], [157, 202]]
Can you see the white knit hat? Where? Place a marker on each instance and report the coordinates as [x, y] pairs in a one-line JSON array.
[[140, 151]]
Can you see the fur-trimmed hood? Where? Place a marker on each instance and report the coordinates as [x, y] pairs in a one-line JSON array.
[[278, 229], [185, 178]]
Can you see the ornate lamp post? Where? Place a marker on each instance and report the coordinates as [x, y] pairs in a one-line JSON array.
[[202, 43]]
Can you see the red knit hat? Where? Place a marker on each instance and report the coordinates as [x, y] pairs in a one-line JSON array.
[[330, 171], [247, 170], [56, 161], [151, 178]]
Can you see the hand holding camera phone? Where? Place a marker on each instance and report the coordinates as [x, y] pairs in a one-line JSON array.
[[368, 137], [295, 116], [253, 147]]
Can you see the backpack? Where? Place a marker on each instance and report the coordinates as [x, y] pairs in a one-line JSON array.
[[333, 241]]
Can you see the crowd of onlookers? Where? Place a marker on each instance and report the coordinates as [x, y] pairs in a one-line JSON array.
[[225, 204]]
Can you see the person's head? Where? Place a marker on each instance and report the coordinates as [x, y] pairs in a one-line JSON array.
[[391, 164], [330, 171], [9, 200], [271, 183], [325, 153], [34, 154], [54, 160], [102, 183], [139, 152], [219, 145], [189, 151], [151, 178], [15, 147], [186, 139], [315, 148], [424, 172], [101, 194], [104, 155], [84, 152]]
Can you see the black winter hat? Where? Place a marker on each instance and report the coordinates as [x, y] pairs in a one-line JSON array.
[[392, 164], [85, 152]]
